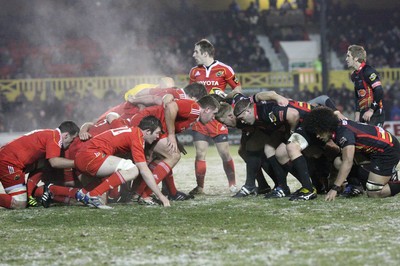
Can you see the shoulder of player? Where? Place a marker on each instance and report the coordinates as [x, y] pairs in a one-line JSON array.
[[368, 70], [185, 102], [218, 63], [198, 67]]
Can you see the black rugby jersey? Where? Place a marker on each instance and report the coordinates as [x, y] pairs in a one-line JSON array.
[[368, 89]]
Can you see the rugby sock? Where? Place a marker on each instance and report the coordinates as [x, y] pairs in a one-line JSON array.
[[90, 186], [38, 192], [229, 168], [253, 164], [63, 191], [114, 193], [114, 180], [142, 185], [300, 165], [394, 187], [5, 201], [280, 171], [161, 171], [265, 165], [261, 181], [170, 183], [200, 170], [32, 183]]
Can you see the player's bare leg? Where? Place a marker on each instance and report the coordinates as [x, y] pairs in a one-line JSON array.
[[227, 161]]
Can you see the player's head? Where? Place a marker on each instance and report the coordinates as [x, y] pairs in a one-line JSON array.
[[218, 97], [225, 115], [203, 52], [195, 91], [320, 122], [132, 92], [356, 54], [244, 111], [209, 107], [166, 82], [69, 130], [151, 128]]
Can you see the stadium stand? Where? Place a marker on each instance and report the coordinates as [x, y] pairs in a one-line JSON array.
[[166, 44]]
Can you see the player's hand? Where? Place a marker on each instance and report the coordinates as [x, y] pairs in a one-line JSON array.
[[367, 115], [331, 195], [282, 101], [167, 99], [340, 115], [84, 135], [171, 144], [165, 201], [182, 148]]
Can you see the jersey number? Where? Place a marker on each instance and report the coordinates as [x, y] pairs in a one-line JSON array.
[[120, 130]]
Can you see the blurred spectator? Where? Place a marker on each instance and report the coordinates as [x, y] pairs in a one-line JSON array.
[[272, 4], [285, 7], [234, 8], [252, 13]]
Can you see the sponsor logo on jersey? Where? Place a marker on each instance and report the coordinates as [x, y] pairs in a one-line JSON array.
[[219, 73], [342, 141], [272, 117], [361, 93], [372, 77], [209, 82], [11, 170]]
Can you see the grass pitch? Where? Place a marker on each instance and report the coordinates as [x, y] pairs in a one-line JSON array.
[[213, 229]]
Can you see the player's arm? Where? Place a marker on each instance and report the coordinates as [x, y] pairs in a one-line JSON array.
[[147, 100], [344, 170], [171, 111], [147, 176], [142, 92], [372, 78], [356, 108], [60, 162], [271, 96], [237, 89], [84, 131], [167, 98]]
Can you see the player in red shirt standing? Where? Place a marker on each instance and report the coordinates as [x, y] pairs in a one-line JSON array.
[[19, 154], [97, 158], [215, 76]]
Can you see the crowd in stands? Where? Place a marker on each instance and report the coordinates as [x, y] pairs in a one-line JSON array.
[[378, 31], [169, 39]]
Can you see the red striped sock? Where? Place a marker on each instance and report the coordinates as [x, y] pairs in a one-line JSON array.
[[200, 167], [114, 180], [142, 185], [32, 182], [160, 172]]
